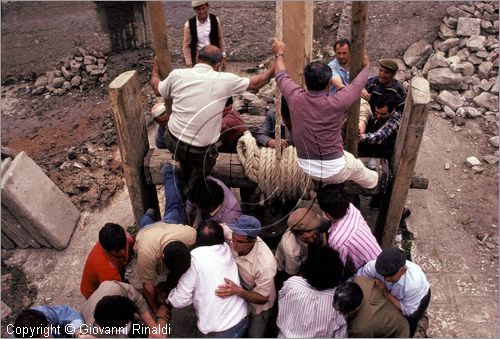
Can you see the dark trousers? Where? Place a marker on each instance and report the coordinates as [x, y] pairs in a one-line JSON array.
[[414, 318], [195, 162]]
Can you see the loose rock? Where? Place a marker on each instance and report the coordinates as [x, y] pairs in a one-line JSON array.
[[468, 26], [490, 159], [473, 161], [494, 141], [446, 98], [417, 53], [444, 78]]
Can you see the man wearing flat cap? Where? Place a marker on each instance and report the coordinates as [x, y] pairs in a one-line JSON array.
[[402, 282], [201, 30], [383, 86], [302, 230], [257, 268]]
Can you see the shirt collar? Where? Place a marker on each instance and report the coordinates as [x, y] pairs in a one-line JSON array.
[[316, 93], [198, 22], [204, 66]]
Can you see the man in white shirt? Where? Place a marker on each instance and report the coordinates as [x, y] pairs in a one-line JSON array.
[[402, 282], [211, 263], [201, 30], [198, 97]]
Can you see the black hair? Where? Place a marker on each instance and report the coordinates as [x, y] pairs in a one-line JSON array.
[[317, 75], [176, 257], [30, 319], [112, 237], [206, 194], [333, 200], [209, 233], [342, 42], [210, 55], [348, 296], [285, 111], [114, 311], [323, 267], [385, 101], [229, 101]]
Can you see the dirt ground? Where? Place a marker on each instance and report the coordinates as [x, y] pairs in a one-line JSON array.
[[59, 131]]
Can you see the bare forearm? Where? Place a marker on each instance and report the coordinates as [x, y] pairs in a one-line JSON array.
[[259, 80], [252, 297], [149, 294]]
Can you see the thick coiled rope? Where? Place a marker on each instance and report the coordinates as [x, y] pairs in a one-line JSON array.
[[276, 178]]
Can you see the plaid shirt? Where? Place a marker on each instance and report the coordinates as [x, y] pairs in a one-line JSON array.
[[389, 128]]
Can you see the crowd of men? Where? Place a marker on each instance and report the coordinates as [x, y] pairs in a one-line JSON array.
[[328, 277]]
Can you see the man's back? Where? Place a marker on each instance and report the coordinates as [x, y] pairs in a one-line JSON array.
[[209, 266], [377, 317]]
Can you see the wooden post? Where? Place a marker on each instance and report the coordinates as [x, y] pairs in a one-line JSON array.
[[405, 154], [160, 43], [358, 26], [125, 95]]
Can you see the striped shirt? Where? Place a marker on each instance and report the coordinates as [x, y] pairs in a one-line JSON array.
[[388, 128], [305, 312], [351, 236]]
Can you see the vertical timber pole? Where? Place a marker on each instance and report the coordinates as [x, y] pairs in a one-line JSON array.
[[160, 43], [125, 95], [405, 155], [358, 27], [294, 26]]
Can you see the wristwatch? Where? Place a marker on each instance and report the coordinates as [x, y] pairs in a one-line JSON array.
[[279, 54]]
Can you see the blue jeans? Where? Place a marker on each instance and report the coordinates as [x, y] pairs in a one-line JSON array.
[[236, 331], [174, 207]]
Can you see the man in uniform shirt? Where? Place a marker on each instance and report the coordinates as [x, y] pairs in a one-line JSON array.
[[257, 268], [402, 282], [369, 314]]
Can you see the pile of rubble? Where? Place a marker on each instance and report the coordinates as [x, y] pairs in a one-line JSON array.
[[462, 65], [79, 70]]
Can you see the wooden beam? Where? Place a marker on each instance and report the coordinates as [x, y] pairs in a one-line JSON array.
[[358, 26], [160, 43], [229, 170], [406, 151], [125, 95], [295, 18]]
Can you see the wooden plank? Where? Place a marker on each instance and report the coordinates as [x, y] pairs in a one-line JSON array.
[[160, 43], [7, 244], [230, 171], [407, 146], [358, 26], [9, 220], [296, 21], [125, 95]]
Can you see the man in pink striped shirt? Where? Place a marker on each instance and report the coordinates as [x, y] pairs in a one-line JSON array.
[[349, 233]]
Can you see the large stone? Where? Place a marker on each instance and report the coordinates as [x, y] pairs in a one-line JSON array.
[[475, 60], [450, 22], [468, 26], [486, 85], [463, 54], [494, 89], [75, 66], [417, 54], [259, 103], [464, 67], [447, 32], [483, 54], [487, 26], [248, 97], [444, 78], [484, 69], [76, 81], [494, 141], [58, 82], [37, 202], [449, 112], [50, 76], [472, 113], [447, 44], [89, 60], [490, 159], [456, 12], [436, 60], [65, 73], [447, 98], [41, 81], [487, 100], [476, 42]]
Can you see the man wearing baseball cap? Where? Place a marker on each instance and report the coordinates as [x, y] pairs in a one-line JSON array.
[[201, 30], [402, 282], [257, 268]]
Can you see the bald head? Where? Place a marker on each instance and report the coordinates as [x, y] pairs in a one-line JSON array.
[[210, 55], [303, 219]]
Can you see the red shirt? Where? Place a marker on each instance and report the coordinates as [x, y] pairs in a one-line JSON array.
[[101, 266], [232, 128]]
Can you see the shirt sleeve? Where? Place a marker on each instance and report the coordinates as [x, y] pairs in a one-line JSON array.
[[61, 315], [182, 294], [368, 270], [352, 92], [238, 84], [341, 331], [293, 260], [391, 126], [410, 301], [145, 268], [264, 278], [286, 85], [165, 86], [266, 131], [136, 297], [186, 45]]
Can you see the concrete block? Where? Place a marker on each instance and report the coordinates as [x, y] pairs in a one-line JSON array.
[[37, 202], [13, 223], [7, 244], [5, 165]]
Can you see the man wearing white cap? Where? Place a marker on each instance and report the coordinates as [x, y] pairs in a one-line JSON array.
[[201, 30]]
